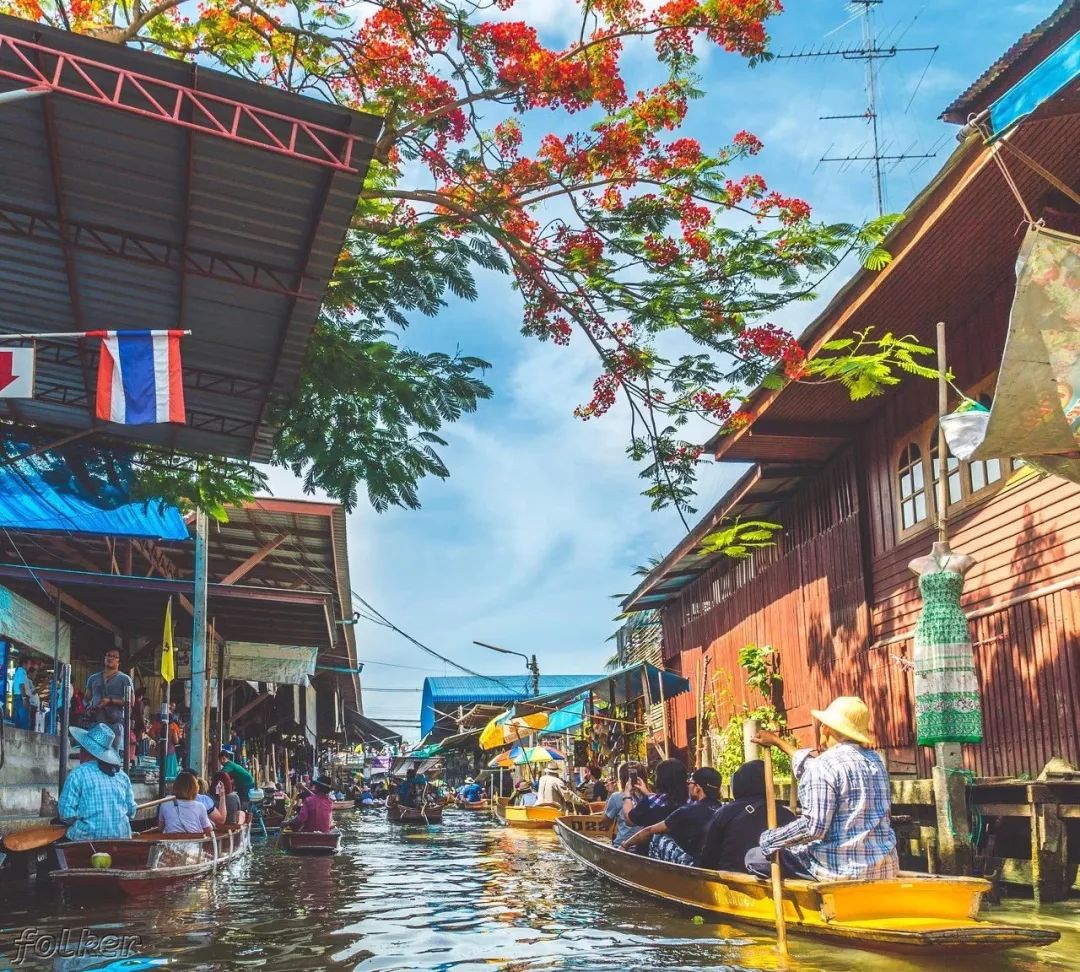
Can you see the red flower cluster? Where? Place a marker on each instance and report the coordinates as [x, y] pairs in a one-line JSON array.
[[789, 209], [716, 404], [748, 142], [775, 343]]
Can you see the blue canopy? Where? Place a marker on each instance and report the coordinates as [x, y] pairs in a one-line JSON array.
[[34, 496], [1039, 85]]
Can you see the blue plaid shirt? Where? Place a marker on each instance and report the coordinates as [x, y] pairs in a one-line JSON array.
[[98, 806], [844, 830]]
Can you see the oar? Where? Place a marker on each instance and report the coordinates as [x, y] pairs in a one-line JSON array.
[[34, 838], [777, 877]]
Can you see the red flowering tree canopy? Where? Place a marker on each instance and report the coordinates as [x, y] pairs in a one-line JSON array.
[[618, 231]]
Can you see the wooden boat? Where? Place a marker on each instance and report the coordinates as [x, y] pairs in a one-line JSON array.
[[396, 813], [476, 805], [272, 821], [913, 913], [344, 804], [148, 861], [525, 818], [298, 842]]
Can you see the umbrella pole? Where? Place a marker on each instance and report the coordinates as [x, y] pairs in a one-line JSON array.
[[663, 713]]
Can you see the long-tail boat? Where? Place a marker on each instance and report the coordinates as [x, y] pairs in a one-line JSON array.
[[536, 817], [301, 842], [921, 913], [475, 805], [429, 814], [148, 861], [344, 804]]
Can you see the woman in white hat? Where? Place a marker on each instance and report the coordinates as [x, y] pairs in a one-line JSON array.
[[97, 802], [844, 830]]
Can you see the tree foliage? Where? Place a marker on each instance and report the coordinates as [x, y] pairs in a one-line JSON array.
[[618, 232]]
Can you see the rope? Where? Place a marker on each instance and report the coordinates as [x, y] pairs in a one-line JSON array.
[[995, 154], [1040, 169]]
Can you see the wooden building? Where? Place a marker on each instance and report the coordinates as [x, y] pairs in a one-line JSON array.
[[852, 483]]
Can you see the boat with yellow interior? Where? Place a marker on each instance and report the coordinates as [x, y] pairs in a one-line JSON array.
[[536, 817], [914, 913]]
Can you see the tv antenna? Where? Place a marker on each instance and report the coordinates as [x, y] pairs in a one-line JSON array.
[[872, 52]]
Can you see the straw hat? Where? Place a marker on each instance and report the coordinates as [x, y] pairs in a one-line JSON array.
[[848, 716], [523, 785], [98, 742], [552, 768]]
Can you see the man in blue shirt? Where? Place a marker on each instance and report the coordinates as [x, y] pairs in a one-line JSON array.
[[411, 788], [97, 802], [22, 688]]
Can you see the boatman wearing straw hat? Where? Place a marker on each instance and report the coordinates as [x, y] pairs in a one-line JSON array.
[[844, 829], [97, 802]]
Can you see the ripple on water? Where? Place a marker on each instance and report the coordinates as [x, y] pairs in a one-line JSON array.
[[463, 896]]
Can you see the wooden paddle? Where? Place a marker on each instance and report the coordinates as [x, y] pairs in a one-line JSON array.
[[34, 838], [777, 877]]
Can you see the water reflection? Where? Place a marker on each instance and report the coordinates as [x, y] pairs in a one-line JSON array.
[[463, 896]]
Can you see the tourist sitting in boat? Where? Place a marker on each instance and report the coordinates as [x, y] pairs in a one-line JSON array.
[[680, 836], [844, 830], [227, 797], [471, 792], [594, 786], [554, 791], [524, 795], [316, 812], [647, 807], [411, 789], [185, 814], [243, 781], [616, 808], [213, 811], [737, 826], [97, 802]]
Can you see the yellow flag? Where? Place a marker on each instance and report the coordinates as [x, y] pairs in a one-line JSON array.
[[168, 668]]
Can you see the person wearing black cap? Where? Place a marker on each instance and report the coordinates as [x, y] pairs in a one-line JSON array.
[[680, 836], [737, 826]]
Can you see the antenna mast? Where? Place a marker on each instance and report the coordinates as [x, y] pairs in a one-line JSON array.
[[871, 53]]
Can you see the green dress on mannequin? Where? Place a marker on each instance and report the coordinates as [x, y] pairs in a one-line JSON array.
[[947, 707]]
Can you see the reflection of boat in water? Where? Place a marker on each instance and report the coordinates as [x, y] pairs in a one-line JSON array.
[[536, 817], [300, 842], [921, 913], [430, 814], [148, 861]]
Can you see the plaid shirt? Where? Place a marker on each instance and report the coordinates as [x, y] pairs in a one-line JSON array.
[[100, 806], [844, 829]]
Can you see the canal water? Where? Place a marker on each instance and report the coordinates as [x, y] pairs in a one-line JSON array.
[[463, 896]]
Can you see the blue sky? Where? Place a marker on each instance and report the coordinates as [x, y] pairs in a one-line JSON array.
[[541, 520]]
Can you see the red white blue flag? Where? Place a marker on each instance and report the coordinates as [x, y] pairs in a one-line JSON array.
[[139, 377]]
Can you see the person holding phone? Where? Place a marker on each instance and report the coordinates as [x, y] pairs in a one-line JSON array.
[[628, 774], [670, 792]]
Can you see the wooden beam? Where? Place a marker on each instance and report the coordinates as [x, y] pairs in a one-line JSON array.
[[254, 560], [790, 469], [258, 700], [79, 608], [781, 428]]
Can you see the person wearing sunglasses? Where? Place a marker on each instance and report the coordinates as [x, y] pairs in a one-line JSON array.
[[680, 836]]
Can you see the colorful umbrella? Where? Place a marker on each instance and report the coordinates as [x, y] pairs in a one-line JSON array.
[[507, 728], [526, 755]]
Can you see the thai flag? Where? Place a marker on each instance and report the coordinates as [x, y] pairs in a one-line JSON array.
[[139, 378]]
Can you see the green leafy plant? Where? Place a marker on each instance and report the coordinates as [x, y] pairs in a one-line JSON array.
[[868, 366], [759, 664], [741, 538]]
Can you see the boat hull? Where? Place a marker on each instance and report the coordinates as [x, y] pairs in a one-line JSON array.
[[344, 804], [411, 815], [294, 842], [914, 913], [478, 806], [147, 862]]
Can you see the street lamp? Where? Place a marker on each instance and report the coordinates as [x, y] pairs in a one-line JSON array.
[[530, 663]]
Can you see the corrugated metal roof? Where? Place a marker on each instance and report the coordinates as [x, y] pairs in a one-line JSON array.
[[979, 94], [464, 689], [110, 219]]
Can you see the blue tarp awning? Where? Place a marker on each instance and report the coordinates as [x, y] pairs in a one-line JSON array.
[[637, 681], [31, 501], [1039, 85]]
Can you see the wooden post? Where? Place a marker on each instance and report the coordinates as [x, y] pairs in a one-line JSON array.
[[942, 445], [1049, 847], [663, 715], [954, 850], [774, 867]]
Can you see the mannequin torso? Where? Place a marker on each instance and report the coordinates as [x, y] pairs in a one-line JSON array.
[[941, 557]]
